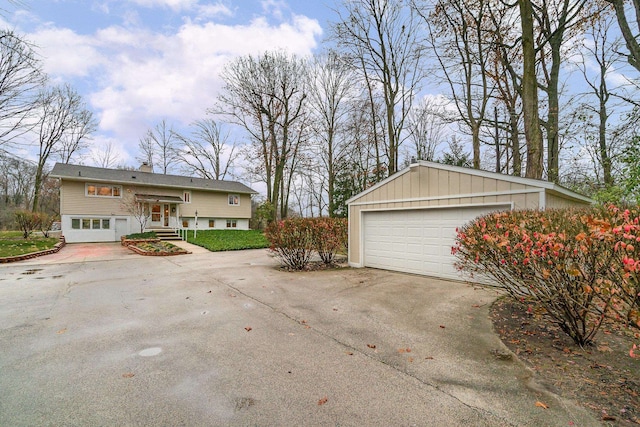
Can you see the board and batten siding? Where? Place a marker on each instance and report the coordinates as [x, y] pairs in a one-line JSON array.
[[422, 187]]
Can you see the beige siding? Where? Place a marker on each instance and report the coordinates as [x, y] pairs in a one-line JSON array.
[[558, 202], [423, 186], [73, 201]]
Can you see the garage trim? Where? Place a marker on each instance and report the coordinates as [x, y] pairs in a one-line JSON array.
[[503, 205], [453, 196]]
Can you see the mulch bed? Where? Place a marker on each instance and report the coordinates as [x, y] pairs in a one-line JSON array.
[[601, 377]]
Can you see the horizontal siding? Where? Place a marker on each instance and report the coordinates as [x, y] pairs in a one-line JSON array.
[[73, 201]]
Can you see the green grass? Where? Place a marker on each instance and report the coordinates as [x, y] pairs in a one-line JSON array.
[[229, 240], [13, 244], [147, 235]]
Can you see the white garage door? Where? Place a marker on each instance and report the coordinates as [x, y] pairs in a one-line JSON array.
[[416, 241]]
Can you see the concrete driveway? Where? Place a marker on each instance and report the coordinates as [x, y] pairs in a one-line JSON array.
[[220, 339]]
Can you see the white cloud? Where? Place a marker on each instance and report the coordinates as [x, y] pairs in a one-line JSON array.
[[139, 76], [213, 11], [175, 5]]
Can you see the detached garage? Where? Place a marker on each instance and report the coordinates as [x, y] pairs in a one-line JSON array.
[[408, 221]]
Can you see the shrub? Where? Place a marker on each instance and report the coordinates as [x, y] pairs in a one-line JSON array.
[[46, 221], [27, 221], [292, 241], [329, 235], [579, 265]]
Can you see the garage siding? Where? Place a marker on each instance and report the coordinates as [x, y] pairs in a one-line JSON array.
[[431, 185]]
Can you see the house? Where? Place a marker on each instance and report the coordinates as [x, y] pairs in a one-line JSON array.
[[408, 221], [100, 205]]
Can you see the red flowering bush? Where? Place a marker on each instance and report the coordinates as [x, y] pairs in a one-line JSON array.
[[580, 265], [294, 240], [329, 235]]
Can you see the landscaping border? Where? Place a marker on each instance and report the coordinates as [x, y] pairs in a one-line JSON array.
[[22, 257], [147, 253]]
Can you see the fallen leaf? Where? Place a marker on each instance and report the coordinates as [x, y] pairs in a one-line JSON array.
[[349, 353], [128, 375], [303, 321], [541, 405], [322, 401], [475, 306], [232, 295], [608, 418], [209, 292], [335, 309], [442, 326], [62, 331], [248, 328], [428, 358], [410, 360], [371, 345]]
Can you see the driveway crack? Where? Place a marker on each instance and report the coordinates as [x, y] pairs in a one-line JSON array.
[[367, 355]]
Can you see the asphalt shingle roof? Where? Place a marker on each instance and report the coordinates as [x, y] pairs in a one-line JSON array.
[[120, 176]]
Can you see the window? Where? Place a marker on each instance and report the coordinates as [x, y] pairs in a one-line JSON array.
[[212, 223], [97, 190], [90, 224], [232, 223], [234, 200], [185, 223], [155, 213], [186, 196]]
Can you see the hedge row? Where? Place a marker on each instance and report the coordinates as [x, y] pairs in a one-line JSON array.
[[581, 266], [295, 240]]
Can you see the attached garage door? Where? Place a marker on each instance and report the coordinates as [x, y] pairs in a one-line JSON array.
[[416, 241]]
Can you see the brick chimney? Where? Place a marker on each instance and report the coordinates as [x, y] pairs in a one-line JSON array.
[[145, 167]]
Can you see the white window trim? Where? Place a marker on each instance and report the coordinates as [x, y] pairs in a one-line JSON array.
[[231, 222], [184, 199], [86, 190], [236, 197], [91, 220]]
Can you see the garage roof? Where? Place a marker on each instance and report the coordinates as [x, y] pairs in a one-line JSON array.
[[549, 186]]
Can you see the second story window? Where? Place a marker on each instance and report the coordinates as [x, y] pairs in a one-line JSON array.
[[101, 190], [234, 200], [186, 196]]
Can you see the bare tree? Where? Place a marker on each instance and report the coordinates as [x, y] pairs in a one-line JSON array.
[[426, 125], [629, 34], [460, 39], [76, 138], [604, 52], [330, 93], [266, 96], [20, 80], [136, 208], [61, 111], [383, 38], [159, 148], [105, 156], [207, 152]]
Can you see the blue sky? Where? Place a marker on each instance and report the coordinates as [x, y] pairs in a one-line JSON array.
[[137, 62]]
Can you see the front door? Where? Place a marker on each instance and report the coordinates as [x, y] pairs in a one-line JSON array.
[[156, 215]]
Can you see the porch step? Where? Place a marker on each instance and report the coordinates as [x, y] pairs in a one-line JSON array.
[[165, 234]]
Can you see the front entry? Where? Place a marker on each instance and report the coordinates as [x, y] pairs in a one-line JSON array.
[[160, 215]]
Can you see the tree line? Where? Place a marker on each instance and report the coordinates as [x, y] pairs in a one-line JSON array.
[[544, 89]]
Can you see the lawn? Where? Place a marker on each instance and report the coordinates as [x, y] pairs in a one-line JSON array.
[[229, 240], [12, 243]]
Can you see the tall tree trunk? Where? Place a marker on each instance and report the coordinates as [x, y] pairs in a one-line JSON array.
[[532, 131]]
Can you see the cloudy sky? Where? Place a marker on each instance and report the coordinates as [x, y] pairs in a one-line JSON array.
[[137, 62]]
